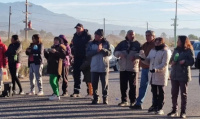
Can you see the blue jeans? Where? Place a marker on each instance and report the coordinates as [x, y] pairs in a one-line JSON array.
[[143, 86]]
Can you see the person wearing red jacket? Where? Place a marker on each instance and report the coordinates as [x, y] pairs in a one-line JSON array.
[[3, 61]]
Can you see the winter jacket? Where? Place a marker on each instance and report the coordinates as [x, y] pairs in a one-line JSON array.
[[147, 47], [55, 60], [100, 60], [182, 72], [66, 61], [3, 59], [130, 52], [36, 53], [158, 60], [14, 52], [79, 44]]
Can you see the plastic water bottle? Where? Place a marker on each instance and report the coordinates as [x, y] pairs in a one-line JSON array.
[[35, 47], [176, 57]]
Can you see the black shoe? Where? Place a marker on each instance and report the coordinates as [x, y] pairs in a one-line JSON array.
[[152, 109], [95, 101], [183, 115], [105, 100], [75, 95], [123, 104], [136, 107], [173, 113]]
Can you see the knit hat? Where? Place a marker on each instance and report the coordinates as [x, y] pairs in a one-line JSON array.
[[99, 32], [63, 38]]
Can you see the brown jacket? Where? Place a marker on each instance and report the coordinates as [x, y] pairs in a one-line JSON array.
[[55, 59], [147, 46]]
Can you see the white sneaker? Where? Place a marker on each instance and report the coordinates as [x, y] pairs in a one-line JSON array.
[[160, 112], [31, 93], [40, 93], [54, 98]]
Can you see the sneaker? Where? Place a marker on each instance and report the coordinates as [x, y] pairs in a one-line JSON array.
[[54, 98], [173, 113], [95, 101], [40, 93], [160, 112], [64, 94], [105, 101], [136, 107], [183, 115], [152, 109], [21, 93], [31, 93], [123, 104], [75, 95]]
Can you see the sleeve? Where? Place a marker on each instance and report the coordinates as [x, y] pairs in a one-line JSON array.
[[106, 51], [89, 51], [27, 53], [147, 59], [19, 49], [117, 50], [5, 59], [68, 52], [46, 55], [189, 61], [171, 59], [61, 53], [165, 61]]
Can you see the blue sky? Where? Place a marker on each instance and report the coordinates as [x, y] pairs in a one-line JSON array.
[[158, 13]]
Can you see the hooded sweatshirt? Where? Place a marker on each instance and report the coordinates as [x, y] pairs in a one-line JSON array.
[[3, 59]]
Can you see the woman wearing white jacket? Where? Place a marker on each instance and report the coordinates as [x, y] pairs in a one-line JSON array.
[[158, 60]]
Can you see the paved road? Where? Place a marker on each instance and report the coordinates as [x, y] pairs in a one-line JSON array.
[[40, 107]]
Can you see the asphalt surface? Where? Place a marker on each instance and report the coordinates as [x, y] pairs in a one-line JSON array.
[[23, 106]]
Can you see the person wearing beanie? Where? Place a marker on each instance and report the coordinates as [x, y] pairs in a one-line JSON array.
[[3, 62], [181, 61], [127, 51], [79, 43], [55, 57], [65, 65], [14, 61], [99, 51], [35, 63]]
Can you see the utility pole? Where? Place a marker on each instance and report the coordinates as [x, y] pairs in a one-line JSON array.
[[175, 24], [9, 23], [147, 26], [104, 27], [26, 21]]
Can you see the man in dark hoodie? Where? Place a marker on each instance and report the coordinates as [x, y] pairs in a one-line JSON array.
[[79, 43]]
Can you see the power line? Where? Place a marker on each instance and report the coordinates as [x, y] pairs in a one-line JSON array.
[[189, 9]]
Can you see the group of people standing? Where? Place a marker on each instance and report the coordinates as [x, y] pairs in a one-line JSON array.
[[91, 57]]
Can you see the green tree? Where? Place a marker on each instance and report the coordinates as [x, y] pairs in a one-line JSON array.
[[193, 37]]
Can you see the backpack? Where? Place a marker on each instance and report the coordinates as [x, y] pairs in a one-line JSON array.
[[197, 62]]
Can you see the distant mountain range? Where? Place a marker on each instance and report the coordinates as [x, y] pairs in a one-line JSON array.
[[44, 19]]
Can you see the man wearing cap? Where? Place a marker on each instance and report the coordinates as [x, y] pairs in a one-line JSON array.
[[79, 43], [128, 53], [99, 50]]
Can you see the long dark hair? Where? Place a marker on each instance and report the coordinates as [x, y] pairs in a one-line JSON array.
[[37, 38], [185, 42]]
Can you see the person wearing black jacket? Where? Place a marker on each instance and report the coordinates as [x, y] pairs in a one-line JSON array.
[[14, 57], [79, 44], [35, 63]]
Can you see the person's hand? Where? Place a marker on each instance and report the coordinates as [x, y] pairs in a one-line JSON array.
[[182, 62], [152, 71], [100, 47], [53, 50]]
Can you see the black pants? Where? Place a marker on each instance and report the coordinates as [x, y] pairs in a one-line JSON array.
[[158, 96], [15, 79], [103, 76], [125, 78], [64, 75], [77, 74], [183, 87]]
